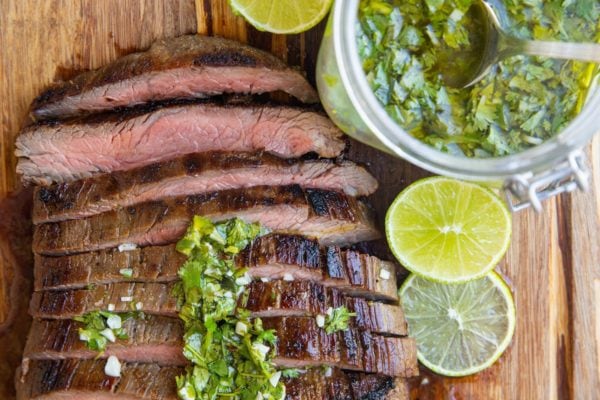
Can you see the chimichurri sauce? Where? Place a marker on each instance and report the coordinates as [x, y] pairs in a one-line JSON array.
[[523, 101]]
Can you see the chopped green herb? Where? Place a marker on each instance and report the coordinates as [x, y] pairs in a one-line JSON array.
[[338, 319], [126, 272], [229, 351], [404, 46], [101, 327]]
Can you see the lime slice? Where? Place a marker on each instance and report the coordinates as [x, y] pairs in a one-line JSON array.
[[460, 329], [282, 16], [448, 230]]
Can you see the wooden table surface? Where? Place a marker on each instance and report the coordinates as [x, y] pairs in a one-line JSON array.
[[553, 263]]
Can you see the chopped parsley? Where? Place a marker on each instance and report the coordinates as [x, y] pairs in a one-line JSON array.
[[338, 319], [229, 351], [100, 328], [404, 45]]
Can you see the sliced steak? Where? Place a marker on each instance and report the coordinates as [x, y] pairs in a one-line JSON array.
[[357, 274], [286, 299], [191, 66], [151, 298], [301, 343], [65, 151], [85, 379], [272, 256], [154, 339], [329, 216], [336, 384], [195, 174], [306, 298]]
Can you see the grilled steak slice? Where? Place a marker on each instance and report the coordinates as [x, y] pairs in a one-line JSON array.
[[270, 256], [154, 339], [341, 385], [301, 343], [306, 298], [85, 379], [357, 274], [151, 298], [191, 66], [329, 216], [65, 151], [148, 264], [287, 299], [194, 174]]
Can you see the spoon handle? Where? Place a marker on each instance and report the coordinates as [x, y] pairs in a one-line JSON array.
[[589, 52]]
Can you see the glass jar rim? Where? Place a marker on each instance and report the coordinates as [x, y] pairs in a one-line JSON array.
[[538, 158]]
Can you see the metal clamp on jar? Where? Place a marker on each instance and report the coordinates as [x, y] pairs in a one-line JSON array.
[[555, 166]]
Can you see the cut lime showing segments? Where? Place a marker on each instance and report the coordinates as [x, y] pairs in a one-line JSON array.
[[460, 329], [448, 230], [282, 16]]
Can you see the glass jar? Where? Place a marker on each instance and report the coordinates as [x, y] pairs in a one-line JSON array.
[[558, 165]]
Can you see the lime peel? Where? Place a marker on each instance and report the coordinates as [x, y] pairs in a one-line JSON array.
[[445, 319], [448, 230], [282, 16]]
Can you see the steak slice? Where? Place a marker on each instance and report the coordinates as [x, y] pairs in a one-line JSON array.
[[329, 216], [191, 66], [272, 256], [194, 174], [306, 298], [65, 151], [154, 339], [152, 298], [342, 385], [287, 299], [357, 274], [301, 343], [85, 379]]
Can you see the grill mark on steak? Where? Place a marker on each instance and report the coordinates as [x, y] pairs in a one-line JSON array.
[[305, 298], [156, 299], [262, 300], [289, 209], [195, 174], [302, 343], [271, 256], [154, 339], [85, 379], [191, 66], [70, 150], [344, 385]]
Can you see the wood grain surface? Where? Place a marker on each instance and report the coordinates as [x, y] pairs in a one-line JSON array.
[[553, 264]]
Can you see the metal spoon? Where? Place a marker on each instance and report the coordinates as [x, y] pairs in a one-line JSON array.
[[498, 45]]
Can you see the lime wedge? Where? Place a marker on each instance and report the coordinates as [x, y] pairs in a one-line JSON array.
[[460, 329], [448, 230], [282, 16]]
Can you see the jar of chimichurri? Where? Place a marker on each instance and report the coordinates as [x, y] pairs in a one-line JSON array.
[[524, 125]]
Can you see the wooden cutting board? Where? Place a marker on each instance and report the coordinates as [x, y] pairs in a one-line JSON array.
[[553, 264]]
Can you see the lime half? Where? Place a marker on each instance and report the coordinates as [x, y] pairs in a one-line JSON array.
[[448, 230], [460, 329], [282, 16]]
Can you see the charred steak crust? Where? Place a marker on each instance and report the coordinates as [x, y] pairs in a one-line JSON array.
[[263, 299], [84, 379], [270, 256], [194, 174], [66, 151], [180, 67], [329, 216], [154, 339]]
